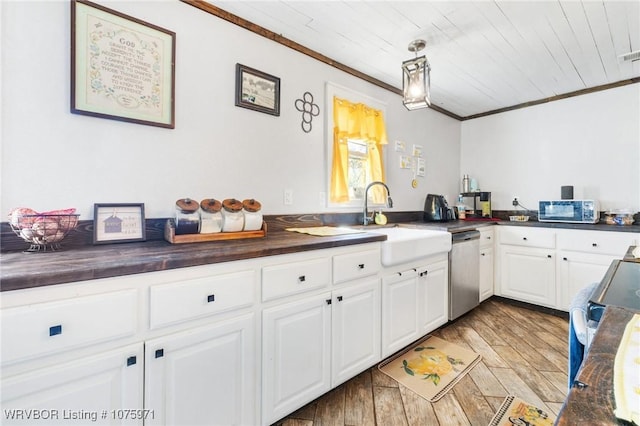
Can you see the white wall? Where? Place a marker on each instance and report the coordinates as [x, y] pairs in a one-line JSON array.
[[54, 159], [591, 142]]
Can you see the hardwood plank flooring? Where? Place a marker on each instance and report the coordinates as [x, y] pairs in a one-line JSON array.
[[524, 353]]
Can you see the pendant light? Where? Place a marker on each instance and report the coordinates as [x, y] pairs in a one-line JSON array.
[[416, 76]]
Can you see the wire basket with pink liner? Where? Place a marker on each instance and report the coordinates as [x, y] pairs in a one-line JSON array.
[[43, 231]]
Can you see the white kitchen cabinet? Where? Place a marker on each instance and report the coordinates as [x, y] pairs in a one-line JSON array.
[[103, 389], [528, 274], [296, 354], [526, 268], [414, 302], [486, 263], [355, 329], [584, 257], [203, 376], [433, 296]]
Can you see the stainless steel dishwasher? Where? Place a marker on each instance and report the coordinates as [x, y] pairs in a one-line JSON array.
[[464, 272]]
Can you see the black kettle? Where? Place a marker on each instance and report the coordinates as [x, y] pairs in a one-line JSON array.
[[436, 209]]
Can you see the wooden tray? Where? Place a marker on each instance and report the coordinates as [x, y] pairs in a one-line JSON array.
[[170, 235]]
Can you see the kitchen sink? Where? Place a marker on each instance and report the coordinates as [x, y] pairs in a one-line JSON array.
[[408, 244]]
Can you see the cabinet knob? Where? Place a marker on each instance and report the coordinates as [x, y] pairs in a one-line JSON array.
[[524, 238], [159, 353], [549, 256], [488, 237], [564, 258], [211, 298], [481, 254], [328, 301], [55, 330], [131, 361], [361, 266], [423, 273], [339, 298], [594, 244], [302, 278]]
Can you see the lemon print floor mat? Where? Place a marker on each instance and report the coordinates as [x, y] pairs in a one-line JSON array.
[[430, 368]]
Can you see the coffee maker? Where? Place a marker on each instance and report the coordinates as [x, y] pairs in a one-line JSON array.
[[436, 209]]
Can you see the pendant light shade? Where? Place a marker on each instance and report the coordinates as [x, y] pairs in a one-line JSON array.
[[416, 74]]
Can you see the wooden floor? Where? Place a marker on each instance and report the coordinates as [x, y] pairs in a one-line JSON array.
[[524, 353]]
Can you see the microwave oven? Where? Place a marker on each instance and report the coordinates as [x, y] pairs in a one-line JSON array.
[[572, 211]]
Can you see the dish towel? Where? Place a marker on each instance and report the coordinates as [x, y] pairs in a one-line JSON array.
[[578, 330]]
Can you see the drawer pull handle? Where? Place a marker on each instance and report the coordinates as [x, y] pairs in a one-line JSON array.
[[549, 256], [159, 353], [564, 258], [594, 245], [339, 298], [302, 278], [55, 330], [422, 274], [328, 301], [489, 237], [481, 254], [524, 238], [361, 266], [131, 361], [211, 298]]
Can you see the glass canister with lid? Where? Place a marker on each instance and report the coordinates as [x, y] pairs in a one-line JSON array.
[[210, 216], [252, 215], [187, 216], [232, 217]]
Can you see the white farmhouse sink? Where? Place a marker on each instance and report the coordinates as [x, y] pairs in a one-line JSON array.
[[407, 244]]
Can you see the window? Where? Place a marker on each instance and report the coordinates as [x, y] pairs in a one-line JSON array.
[[355, 144]]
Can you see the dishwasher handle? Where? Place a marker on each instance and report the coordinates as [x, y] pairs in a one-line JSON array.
[[459, 237]]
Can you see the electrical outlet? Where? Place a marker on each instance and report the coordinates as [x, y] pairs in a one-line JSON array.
[[515, 201], [288, 197]]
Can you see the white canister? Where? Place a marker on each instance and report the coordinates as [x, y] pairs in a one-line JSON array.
[[252, 215], [232, 217], [211, 216]]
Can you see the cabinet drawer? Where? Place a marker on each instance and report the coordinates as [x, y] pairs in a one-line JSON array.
[[527, 237], [351, 266], [295, 277], [46, 328], [598, 242], [180, 301], [486, 236]]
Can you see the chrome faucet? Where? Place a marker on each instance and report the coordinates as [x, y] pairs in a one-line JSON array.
[[366, 219]]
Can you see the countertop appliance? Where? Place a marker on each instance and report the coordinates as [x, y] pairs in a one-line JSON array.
[[571, 211], [436, 209], [464, 272]]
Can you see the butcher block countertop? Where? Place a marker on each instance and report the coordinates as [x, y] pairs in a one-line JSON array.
[[20, 270], [593, 403]]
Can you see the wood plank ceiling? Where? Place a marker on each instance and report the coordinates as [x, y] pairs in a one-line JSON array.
[[486, 56]]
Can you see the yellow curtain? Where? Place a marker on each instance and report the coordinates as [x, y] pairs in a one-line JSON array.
[[356, 121]]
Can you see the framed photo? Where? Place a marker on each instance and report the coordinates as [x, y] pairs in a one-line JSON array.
[[118, 223], [257, 90], [122, 68]]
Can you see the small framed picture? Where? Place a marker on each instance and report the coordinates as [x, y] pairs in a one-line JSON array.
[[118, 223], [257, 90]]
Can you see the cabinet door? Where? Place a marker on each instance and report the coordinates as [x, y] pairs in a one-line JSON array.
[[433, 296], [296, 352], [578, 270], [400, 322], [103, 389], [528, 274], [204, 376], [355, 323], [486, 272]]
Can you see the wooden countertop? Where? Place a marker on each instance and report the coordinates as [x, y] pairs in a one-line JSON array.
[[594, 403], [20, 270]]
